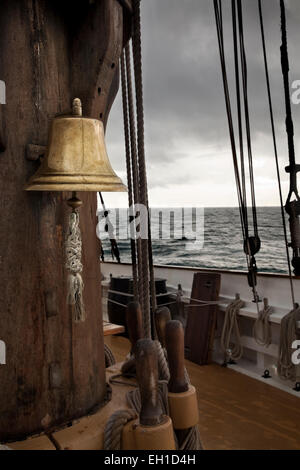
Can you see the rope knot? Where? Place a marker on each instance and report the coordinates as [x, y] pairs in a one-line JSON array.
[[73, 249]]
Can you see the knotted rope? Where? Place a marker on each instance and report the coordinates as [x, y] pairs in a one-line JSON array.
[[262, 331], [232, 347], [288, 334], [73, 248]]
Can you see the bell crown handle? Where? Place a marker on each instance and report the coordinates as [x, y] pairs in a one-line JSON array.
[[76, 107], [175, 349]]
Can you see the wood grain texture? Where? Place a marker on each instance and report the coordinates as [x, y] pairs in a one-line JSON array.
[[200, 327], [236, 411], [49, 53]]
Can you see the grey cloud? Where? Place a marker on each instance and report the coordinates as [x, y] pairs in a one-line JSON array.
[[184, 100]]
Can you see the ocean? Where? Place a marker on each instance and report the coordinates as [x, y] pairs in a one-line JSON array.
[[203, 238]]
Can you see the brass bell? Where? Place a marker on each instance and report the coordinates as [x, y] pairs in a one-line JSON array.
[[76, 157]]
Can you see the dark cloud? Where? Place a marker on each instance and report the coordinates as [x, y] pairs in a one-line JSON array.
[[186, 127]]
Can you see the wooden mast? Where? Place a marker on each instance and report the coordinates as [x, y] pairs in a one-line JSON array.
[[51, 51]]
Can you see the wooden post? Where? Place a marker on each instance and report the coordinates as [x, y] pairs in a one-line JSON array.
[[49, 53], [162, 316], [147, 377], [175, 350]]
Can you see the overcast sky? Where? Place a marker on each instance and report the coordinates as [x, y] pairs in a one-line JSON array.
[[187, 144]]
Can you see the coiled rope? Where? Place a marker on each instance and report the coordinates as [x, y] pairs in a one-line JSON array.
[[114, 428], [262, 331], [109, 357], [288, 334], [231, 338]]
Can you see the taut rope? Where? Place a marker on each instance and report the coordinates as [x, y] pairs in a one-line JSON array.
[[262, 28], [147, 260], [129, 175], [251, 244]]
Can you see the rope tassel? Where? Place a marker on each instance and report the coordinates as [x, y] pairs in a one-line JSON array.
[[73, 247]]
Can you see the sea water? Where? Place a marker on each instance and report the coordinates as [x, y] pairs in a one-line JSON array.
[[218, 242]]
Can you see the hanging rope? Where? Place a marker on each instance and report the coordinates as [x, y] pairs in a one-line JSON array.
[[231, 338], [292, 207], [288, 334], [275, 148], [73, 247], [262, 331]]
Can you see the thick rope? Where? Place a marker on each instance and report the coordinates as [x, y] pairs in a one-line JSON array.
[[288, 334], [129, 176], [134, 166], [137, 56], [231, 338], [163, 367], [73, 247], [109, 357], [114, 428], [262, 331]]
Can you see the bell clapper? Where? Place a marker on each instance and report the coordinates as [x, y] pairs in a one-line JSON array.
[[73, 247]]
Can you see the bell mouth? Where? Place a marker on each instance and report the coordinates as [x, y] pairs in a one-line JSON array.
[[75, 183]]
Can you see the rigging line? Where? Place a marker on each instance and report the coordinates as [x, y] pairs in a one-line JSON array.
[[239, 112], [135, 168], [246, 109], [289, 119], [129, 174], [275, 148], [244, 69], [219, 24]]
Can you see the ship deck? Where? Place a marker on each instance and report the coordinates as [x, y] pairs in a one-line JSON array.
[[236, 411]]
